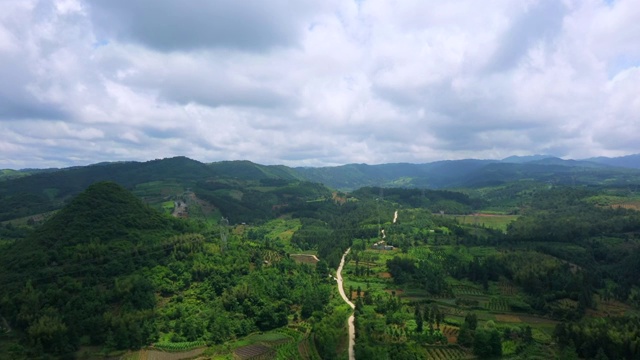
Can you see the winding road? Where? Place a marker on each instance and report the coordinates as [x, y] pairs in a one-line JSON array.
[[352, 330]]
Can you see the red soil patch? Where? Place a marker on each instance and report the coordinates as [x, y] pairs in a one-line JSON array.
[[385, 275], [338, 199], [635, 205]]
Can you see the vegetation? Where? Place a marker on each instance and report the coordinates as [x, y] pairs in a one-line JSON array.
[[146, 264]]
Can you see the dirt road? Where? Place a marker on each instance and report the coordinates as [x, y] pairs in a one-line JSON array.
[[352, 330]]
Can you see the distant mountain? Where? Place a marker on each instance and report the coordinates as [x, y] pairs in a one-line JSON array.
[[246, 170], [431, 175], [235, 187], [629, 161], [524, 159], [470, 173]]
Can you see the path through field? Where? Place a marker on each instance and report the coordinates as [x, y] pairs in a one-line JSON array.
[[352, 330]]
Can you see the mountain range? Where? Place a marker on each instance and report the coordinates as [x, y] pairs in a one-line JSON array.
[[32, 191]]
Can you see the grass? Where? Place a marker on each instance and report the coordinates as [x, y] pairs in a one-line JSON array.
[[492, 221]]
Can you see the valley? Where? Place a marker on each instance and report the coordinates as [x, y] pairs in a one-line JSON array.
[[133, 261]]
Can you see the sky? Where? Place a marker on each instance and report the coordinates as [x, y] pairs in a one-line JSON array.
[[316, 83]]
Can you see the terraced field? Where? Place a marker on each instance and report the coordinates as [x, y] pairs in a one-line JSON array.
[[451, 333], [467, 290], [497, 304]]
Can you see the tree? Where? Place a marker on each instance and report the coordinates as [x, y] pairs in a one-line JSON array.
[[487, 343], [419, 320], [471, 319]]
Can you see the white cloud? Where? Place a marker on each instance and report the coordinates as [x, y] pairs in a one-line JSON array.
[[316, 83]]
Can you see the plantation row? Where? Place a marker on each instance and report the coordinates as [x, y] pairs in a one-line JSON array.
[[441, 353], [467, 290], [254, 352], [497, 305], [507, 289], [450, 331], [179, 346]]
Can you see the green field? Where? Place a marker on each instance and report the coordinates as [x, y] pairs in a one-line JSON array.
[[492, 221]]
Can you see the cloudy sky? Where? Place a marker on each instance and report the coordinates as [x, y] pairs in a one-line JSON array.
[[313, 83]]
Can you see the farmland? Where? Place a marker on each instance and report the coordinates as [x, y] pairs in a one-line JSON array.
[[492, 221]]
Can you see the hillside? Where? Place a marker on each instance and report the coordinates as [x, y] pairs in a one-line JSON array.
[[109, 271], [155, 181]]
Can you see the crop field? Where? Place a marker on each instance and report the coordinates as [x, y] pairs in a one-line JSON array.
[[507, 318], [611, 308], [254, 352], [179, 346], [451, 333], [307, 349], [497, 304], [163, 355], [304, 258], [507, 289], [158, 191], [467, 290], [492, 221], [447, 353]]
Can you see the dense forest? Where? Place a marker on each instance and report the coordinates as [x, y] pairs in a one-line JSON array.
[[234, 260]]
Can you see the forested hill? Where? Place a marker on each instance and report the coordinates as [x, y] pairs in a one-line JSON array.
[[220, 184], [109, 272], [155, 181], [59, 284], [102, 219]]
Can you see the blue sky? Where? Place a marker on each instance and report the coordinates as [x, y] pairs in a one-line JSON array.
[[311, 83]]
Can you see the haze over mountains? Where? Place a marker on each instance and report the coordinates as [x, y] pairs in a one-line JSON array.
[[25, 193], [438, 174]]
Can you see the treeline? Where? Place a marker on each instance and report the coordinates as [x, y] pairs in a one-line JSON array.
[[601, 338], [564, 214], [451, 202]]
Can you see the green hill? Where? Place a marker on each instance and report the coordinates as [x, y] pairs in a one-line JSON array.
[[46, 191], [103, 220], [69, 265], [246, 170], [109, 272]]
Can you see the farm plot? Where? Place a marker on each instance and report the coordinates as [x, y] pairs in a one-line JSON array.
[[467, 290], [452, 311], [497, 304], [508, 318], [442, 353], [507, 289], [395, 333], [494, 221], [307, 349], [179, 346], [254, 352], [304, 258], [162, 355], [451, 333]]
